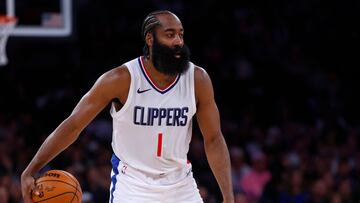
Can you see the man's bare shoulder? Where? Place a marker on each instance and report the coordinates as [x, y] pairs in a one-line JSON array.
[[200, 75], [119, 74], [114, 83], [203, 86]]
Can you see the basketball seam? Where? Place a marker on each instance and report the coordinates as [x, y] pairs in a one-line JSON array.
[[75, 180], [77, 197], [73, 197], [53, 197], [72, 178]]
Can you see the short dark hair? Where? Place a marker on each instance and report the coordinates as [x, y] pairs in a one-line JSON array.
[[149, 24]]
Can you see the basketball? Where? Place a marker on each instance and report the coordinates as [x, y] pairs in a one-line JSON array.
[[57, 186]]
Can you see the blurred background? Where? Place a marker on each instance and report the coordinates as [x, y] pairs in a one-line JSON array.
[[285, 75]]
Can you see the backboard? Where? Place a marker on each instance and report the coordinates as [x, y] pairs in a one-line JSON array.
[[41, 18]]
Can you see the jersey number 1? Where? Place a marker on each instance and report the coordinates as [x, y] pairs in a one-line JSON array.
[[159, 146]]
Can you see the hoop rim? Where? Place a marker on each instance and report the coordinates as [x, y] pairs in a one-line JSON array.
[[6, 19]]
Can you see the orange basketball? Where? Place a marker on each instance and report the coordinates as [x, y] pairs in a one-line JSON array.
[[57, 186]]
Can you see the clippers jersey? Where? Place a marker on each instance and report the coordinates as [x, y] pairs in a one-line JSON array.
[[153, 129]]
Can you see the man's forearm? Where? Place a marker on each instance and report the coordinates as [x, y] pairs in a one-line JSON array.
[[61, 138], [219, 160]]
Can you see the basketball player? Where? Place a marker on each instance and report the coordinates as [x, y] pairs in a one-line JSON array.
[[154, 98]]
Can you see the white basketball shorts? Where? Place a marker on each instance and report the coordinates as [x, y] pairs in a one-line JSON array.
[[129, 185]]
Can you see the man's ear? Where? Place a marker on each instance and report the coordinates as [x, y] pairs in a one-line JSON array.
[[149, 39]]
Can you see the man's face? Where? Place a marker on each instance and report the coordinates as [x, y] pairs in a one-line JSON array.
[[171, 60]]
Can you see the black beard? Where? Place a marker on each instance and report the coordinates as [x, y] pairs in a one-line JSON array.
[[165, 61]]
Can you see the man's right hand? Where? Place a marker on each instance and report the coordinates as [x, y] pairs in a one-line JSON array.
[[27, 186]]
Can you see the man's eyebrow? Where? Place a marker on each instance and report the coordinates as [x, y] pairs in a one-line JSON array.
[[172, 30]]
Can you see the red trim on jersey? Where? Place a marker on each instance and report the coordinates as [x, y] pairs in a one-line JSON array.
[[151, 80]]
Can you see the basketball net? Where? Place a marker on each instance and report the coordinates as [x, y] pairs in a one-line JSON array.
[[7, 25]]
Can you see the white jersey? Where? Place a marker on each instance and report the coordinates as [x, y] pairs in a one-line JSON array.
[[153, 129]]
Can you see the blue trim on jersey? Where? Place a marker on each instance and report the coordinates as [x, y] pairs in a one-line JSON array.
[[115, 164], [150, 82]]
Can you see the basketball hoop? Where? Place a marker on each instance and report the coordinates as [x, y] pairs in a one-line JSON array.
[[7, 24]]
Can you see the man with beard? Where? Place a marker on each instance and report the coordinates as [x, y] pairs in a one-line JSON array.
[[154, 98]]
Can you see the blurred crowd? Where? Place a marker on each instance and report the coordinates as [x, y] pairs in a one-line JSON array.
[[284, 79]]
